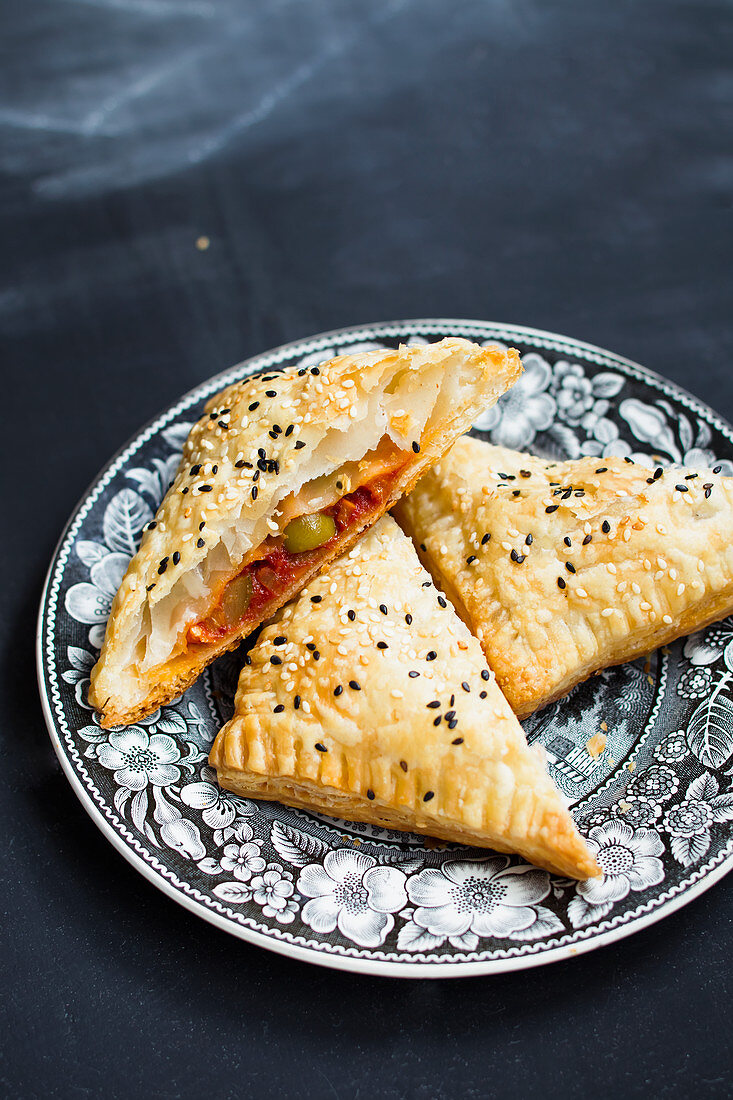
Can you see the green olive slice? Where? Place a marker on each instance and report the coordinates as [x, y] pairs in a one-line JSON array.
[[308, 532], [235, 600]]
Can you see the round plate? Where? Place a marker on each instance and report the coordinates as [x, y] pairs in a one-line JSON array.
[[657, 803]]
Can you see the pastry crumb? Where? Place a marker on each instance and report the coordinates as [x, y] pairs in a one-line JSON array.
[[596, 745]]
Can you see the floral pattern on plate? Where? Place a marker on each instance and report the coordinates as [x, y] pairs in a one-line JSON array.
[[656, 805]]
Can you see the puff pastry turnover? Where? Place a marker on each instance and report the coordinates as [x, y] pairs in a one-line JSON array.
[[368, 698], [564, 568], [338, 444]]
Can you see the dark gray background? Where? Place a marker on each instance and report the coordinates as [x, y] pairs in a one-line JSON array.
[[564, 165]]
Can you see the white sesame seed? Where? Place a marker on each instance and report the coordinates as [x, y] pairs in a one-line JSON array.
[[667, 619], [635, 588], [627, 534], [606, 612], [582, 593], [680, 588], [397, 694]]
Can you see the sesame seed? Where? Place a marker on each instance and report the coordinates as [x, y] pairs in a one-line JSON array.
[[150, 587], [354, 685], [525, 473], [428, 795], [351, 615], [320, 747], [383, 608], [403, 765], [602, 470], [270, 393], [485, 674], [518, 558], [299, 444], [205, 488], [435, 703], [450, 714], [471, 559], [163, 565], [657, 473], [370, 795], [408, 619], [682, 488], [483, 694], [605, 527], [717, 469], [254, 493], [441, 601], [552, 508], [279, 708], [570, 567], [200, 543], [296, 702], [667, 619], [529, 540], [195, 469], [561, 583], [413, 674], [457, 741], [431, 655], [453, 723], [438, 720], [253, 406], [606, 612], [416, 448], [382, 645], [338, 690], [587, 539], [567, 541]]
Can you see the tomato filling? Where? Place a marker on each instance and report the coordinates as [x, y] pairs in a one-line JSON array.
[[276, 569]]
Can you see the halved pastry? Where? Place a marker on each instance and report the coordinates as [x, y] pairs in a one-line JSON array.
[[280, 476], [564, 568], [367, 698]]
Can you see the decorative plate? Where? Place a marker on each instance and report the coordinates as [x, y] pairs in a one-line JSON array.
[[657, 805]]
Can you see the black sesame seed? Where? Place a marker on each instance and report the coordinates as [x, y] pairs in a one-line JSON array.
[[214, 469], [316, 655], [299, 444], [450, 715], [370, 795], [466, 686], [602, 470], [351, 615], [657, 473], [426, 584], [552, 508], [275, 660], [438, 720], [253, 406], [152, 524], [567, 493], [690, 477], [605, 527], [315, 370], [529, 540], [708, 485], [163, 565], [413, 674], [382, 645], [213, 416], [262, 452], [587, 539], [408, 619], [383, 608], [272, 435], [482, 694], [471, 559], [457, 741], [485, 539], [485, 674], [270, 393], [570, 567], [682, 488], [150, 587], [176, 557], [290, 429], [416, 448], [205, 488], [354, 685], [276, 429], [707, 493], [247, 659], [525, 473], [200, 543], [310, 646], [280, 640], [431, 655], [296, 702], [442, 602], [274, 467], [561, 583], [184, 490], [567, 541], [403, 765], [452, 700], [256, 475], [304, 370], [254, 493], [338, 690], [262, 464], [195, 469], [516, 493], [453, 723], [316, 599], [423, 547], [504, 477], [428, 795], [278, 709], [717, 469], [223, 424], [434, 705], [629, 460], [320, 747]]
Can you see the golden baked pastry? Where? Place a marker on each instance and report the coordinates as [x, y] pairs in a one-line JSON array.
[[564, 568], [280, 475], [368, 698]]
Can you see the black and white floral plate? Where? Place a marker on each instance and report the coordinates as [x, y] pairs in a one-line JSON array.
[[657, 805]]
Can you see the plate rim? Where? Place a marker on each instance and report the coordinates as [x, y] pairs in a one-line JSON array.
[[375, 967]]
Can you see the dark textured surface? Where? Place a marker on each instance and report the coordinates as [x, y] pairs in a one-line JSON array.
[[563, 165]]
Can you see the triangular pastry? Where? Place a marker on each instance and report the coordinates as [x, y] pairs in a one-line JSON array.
[[564, 568], [280, 475], [367, 698]]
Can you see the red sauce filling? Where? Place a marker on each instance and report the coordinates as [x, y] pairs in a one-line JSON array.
[[278, 568]]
